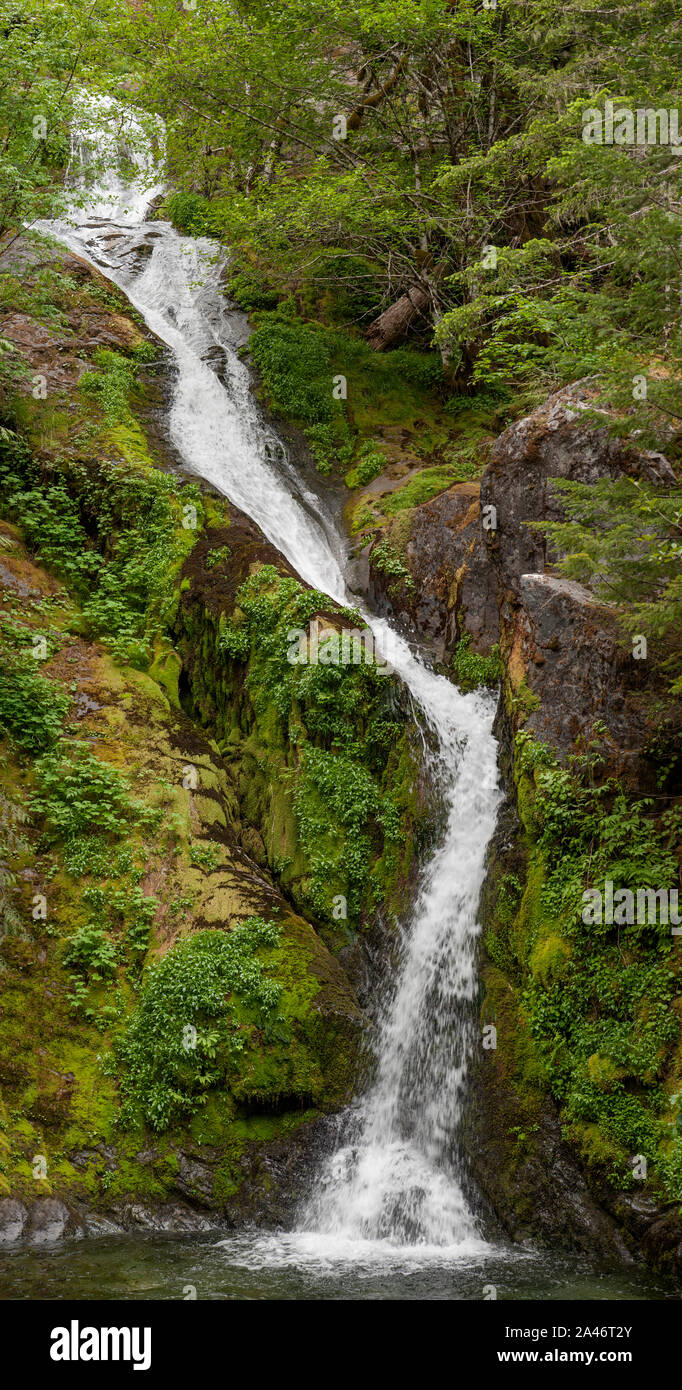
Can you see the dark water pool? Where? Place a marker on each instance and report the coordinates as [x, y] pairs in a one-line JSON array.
[[291, 1267]]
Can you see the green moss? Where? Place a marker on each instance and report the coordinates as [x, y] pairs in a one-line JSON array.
[[523, 702], [327, 745], [301, 365], [425, 484], [115, 536], [165, 670], [549, 958]]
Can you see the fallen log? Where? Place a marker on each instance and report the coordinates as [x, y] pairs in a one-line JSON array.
[[392, 326]]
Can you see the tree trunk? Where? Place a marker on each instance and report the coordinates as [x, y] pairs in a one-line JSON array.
[[392, 326]]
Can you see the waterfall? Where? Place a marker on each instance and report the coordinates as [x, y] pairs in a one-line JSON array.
[[394, 1184]]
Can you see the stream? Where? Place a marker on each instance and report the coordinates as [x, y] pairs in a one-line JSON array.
[[390, 1214]]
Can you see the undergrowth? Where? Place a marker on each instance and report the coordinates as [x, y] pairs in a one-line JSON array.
[[196, 1011]]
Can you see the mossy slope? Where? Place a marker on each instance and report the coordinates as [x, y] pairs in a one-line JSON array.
[[124, 837]]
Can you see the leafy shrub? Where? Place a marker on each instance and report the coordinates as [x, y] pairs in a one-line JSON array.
[[217, 557], [117, 543], [51, 525], [91, 952], [604, 1021], [369, 465], [78, 794], [213, 982], [471, 670], [385, 558], [111, 385], [295, 364], [347, 722], [32, 707], [190, 213]]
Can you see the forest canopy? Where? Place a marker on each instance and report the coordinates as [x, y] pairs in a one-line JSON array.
[[416, 153]]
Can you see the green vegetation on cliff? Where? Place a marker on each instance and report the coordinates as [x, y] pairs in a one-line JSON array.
[[597, 1000], [625, 537], [129, 912], [327, 759]]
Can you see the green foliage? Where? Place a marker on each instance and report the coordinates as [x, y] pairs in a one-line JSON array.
[[32, 707], [295, 364], [204, 856], [111, 385], [114, 535], [216, 983], [217, 557], [386, 559], [625, 538], [91, 952], [299, 364], [428, 483], [78, 794], [40, 50], [345, 721], [127, 908], [368, 465], [471, 670], [190, 213], [492, 98], [603, 1016]]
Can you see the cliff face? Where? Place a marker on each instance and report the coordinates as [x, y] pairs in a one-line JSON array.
[[175, 1020], [585, 1072]]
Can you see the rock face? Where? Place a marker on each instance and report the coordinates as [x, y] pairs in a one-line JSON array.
[[455, 584], [230, 846], [243, 696], [554, 442], [478, 569]]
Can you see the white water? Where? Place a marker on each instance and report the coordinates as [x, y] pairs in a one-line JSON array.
[[392, 1192]]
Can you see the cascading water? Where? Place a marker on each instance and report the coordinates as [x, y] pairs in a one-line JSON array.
[[395, 1178], [394, 1184]]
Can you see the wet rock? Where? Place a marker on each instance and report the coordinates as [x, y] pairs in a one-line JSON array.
[[48, 1221], [470, 577], [568, 649], [13, 1218], [277, 1175], [95, 1224], [173, 1217], [195, 1179], [567, 668], [535, 1187]]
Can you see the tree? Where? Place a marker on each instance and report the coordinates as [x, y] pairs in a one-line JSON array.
[[43, 57]]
